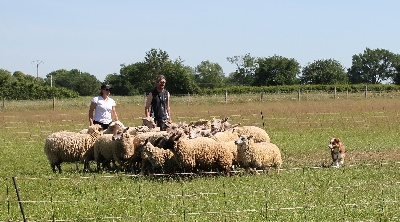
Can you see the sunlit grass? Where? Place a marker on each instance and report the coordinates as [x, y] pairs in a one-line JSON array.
[[366, 188]]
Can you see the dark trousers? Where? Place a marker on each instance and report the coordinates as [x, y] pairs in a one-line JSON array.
[[161, 123], [104, 126]]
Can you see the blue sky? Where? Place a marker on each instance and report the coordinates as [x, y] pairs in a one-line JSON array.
[[96, 36]]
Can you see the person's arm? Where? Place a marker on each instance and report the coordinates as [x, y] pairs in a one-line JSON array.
[[169, 109], [148, 103], [91, 110], [114, 113]]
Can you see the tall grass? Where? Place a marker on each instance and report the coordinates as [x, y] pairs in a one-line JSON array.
[[365, 189]]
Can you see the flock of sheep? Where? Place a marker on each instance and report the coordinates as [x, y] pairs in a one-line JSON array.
[[200, 146]]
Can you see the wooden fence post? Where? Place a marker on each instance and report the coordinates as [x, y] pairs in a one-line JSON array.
[[334, 93], [298, 94], [226, 96], [262, 96], [188, 100], [366, 90]]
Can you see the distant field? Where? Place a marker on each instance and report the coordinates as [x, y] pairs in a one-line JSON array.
[[367, 188]]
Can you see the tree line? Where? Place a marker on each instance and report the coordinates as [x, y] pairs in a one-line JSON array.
[[373, 66]]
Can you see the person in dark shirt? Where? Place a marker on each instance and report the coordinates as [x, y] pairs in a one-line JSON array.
[[157, 104]]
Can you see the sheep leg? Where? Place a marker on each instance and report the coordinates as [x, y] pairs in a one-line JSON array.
[[76, 166], [53, 167], [58, 165]]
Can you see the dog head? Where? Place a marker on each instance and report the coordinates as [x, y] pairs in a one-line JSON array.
[[335, 144]]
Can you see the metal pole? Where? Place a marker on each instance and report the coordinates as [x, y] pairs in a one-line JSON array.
[[19, 199], [37, 67]]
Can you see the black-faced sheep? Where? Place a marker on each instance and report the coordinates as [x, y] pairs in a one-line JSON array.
[[69, 146], [261, 155]]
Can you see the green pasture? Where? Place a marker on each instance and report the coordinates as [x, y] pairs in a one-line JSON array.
[[367, 188]]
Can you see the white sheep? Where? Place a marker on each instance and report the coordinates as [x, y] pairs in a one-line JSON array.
[[202, 153], [125, 148], [69, 146], [161, 160], [262, 155], [103, 151], [112, 128], [225, 136], [220, 125], [259, 134]]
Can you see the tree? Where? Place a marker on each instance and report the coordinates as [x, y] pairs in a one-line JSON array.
[[180, 78], [373, 66], [5, 76], [328, 71], [209, 75], [276, 70], [245, 69], [82, 82], [140, 76]]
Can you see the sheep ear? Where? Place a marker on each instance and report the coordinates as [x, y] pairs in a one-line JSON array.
[[126, 129], [249, 137]]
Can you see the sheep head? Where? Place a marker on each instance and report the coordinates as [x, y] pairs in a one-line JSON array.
[[243, 139], [149, 122], [121, 133]]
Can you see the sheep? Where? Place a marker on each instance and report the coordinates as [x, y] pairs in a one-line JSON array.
[[161, 160], [89, 155], [201, 124], [125, 148], [103, 150], [259, 134], [112, 128], [225, 136], [220, 125], [261, 155], [149, 122], [202, 153], [69, 146]]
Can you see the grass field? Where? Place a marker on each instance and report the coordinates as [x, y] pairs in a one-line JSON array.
[[367, 188]]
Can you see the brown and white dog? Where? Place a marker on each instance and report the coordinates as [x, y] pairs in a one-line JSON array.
[[337, 152]]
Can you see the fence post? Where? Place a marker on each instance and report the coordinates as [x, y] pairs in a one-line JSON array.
[[54, 102], [298, 94], [262, 96], [366, 90], [188, 100], [19, 198], [226, 96], [334, 93]]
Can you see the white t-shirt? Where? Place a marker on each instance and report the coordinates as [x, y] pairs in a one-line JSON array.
[[103, 109]]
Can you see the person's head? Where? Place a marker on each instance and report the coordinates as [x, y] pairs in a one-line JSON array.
[[161, 81], [105, 89]]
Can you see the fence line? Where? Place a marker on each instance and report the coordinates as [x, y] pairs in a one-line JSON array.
[[224, 97], [268, 209]]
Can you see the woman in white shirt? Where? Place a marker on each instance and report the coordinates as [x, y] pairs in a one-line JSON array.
[[103, 107]]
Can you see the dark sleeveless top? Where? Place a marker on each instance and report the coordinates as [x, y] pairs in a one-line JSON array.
[[159, 104]]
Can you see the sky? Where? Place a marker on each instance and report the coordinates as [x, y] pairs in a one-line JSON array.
[[97, 36]]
